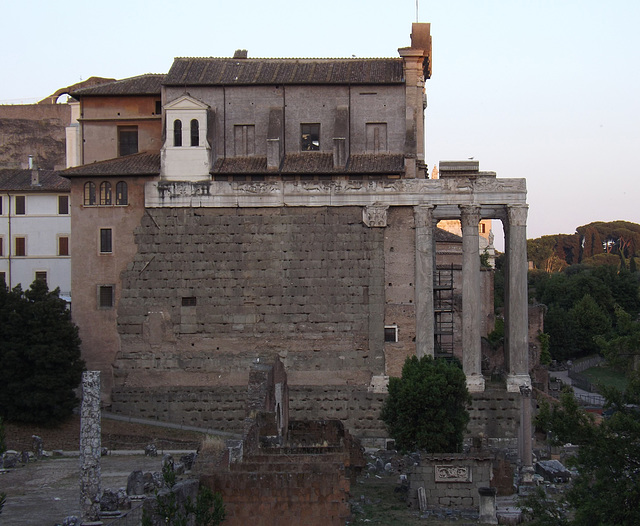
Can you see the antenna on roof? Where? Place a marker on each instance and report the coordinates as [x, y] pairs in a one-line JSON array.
[[417, 2]]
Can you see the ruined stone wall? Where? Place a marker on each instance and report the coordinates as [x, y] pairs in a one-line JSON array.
[[34, 129], [449, 481], [211, 290], [495, 413]]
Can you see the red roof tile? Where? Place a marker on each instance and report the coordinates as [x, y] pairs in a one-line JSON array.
[[19, 180], [130, 165]]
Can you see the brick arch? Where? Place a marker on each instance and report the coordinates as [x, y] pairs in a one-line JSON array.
[[90, 82]]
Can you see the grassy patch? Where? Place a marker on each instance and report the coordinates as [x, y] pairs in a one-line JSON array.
[[607, 376]]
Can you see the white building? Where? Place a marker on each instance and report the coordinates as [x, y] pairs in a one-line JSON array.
[[35, 229]]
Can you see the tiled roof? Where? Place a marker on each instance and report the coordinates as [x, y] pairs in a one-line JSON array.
[[445, 236], [313, 163], [228, 71], [130, 165], [148, 84], [19, 180]]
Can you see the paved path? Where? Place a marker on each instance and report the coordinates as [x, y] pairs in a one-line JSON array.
[[591, 398], [43, 493]]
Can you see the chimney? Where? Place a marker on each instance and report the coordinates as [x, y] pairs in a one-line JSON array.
[[240, 53], [35, 175]]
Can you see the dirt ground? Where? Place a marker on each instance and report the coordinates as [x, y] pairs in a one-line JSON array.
[[116, 435]]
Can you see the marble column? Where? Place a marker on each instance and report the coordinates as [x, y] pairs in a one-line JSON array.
[[526, 440], [90, 448], [423, 215], [471, 298], [517, 320]]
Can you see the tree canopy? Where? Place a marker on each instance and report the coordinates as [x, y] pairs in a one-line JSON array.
[[596, 243], [40, 364], [427, 406]]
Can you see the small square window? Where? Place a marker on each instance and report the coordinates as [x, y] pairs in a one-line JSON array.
[[105, 296], [63, 204], [189, 301], [21, 205], [63, 246], [127, 140], [310, 137], [41, 275], [21, 246], [391, 333], [106, 245]]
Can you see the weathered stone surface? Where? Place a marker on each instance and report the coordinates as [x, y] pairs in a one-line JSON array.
[[135, 483], [553, 471], [90, 446]]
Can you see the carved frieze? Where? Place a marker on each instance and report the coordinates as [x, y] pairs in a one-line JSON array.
[[450, 473]]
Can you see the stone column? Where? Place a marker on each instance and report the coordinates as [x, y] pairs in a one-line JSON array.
[[90, 448], [423, 215], [471, 300], [517, 321]]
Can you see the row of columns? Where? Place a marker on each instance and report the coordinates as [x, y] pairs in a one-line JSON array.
[[516, 302]]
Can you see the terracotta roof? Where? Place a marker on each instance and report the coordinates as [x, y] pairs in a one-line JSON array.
[[130, 165], [313, 163], [148, 84], [445, 236], [19, 180], [228, 71]]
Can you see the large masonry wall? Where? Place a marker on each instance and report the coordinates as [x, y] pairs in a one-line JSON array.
[[212, 290]]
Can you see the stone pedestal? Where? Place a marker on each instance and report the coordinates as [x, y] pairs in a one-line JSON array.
[[487, 506]]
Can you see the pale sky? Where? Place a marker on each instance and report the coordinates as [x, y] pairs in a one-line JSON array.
[[547, 90]]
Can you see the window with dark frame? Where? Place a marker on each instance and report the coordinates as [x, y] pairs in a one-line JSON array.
[[127, 140], [106, 246], [105, 193], [1, 246], [63, 246], [309, 137], [177, 133], [391, 333], [89, 193], [41, 275], [189, 301], [105, 296], [21, 205], [122, 196], [195, 132], [1, 201], [63, 204], [21, 246], [158, 107]]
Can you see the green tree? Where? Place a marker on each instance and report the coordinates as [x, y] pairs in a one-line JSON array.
[[606, 490], [426, 408], [40, 355]]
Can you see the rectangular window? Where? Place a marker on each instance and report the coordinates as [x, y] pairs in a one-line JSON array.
[[3, 277], [106, 246], [105, 296], [41, 275], [21, 205], [63, 246], [158, 107], [376, 137], [1, 201], [309, 137], [189, 301], [244, 136], [1, 246], [63, 204], [391, 333], [21, 246], [127, 140]]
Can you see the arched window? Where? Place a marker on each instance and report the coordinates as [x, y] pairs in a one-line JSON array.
[[105, 193], [122, 197], [89, 193], [177, 132], [195, 132]]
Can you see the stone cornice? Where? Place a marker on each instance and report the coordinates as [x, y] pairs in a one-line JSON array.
[[446, 195]]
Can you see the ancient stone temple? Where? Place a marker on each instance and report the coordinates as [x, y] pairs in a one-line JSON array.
[[288, 213]]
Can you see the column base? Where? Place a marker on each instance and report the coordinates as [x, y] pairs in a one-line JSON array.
[[475, 383], [516, 381], [526, 475]]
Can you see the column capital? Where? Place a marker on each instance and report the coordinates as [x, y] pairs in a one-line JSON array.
[[469, 215], [517, 214], [375, 215], [423, 215]]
